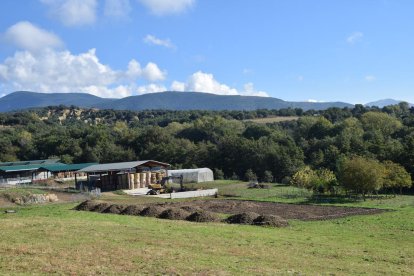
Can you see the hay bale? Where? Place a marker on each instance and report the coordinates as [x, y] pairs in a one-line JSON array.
[[243, 218], [100, 207], [174, 213], [114, 209], [87, 205], [152, 211], [132, 210], [270, 220], [203, 216]]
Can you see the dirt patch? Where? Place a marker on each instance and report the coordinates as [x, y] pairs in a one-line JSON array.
[[87, 205], [152, 211], [203, 216], [174, 213], [132, 210], [284, 210], [114, 209], [191, 209], [270, 220], [243, 218], [100, 207]]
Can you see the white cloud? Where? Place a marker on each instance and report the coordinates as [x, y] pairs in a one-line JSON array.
[[250, 91], [27, 36], [204, 82], [177, 86], [150, 72], [370, 78], [165, 7], [152, 40], [151, 88], [61, 71], [73, 12], [314, 101], [119, 9], [355, 37]]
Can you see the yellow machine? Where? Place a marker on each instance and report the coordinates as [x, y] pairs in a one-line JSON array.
[[160, 187]]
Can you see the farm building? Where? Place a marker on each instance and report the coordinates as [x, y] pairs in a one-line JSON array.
[[22, 172], [65, 171], [125, 175], [193, 175]]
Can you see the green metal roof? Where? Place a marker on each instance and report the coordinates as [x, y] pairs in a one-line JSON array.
[[30, 162], [66, 167], [19, 168]]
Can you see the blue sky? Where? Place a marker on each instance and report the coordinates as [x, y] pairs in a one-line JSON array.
[[345, 50]]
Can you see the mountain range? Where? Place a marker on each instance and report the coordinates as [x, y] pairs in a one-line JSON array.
[[164, 100], [385, 102]]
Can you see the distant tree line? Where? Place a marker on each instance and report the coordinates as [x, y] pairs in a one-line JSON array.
[[322, 146]]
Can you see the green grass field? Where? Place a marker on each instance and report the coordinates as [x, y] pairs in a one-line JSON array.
[[55, 239]]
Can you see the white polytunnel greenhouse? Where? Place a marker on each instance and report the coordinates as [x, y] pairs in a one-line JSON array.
[[192, 175]]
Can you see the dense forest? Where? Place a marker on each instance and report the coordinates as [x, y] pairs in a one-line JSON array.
[[230, 142]]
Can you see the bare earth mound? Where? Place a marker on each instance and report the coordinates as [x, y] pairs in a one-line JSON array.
[[243, 218], [191, 209], [114, 209], [270, 220], [174, 213], [100, 207], [284, 210], [87, 205], [132, 210], [203, 216], [152, 211]]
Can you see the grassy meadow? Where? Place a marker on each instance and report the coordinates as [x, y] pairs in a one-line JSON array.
[[55, 239]]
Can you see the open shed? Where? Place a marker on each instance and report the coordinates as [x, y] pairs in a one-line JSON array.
[[193, 175], [125, 175]]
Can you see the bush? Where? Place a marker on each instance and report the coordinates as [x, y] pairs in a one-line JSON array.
[[218, 174], [250, 175], [268, 177]]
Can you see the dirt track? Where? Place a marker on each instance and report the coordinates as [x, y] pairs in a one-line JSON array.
[[286, 211]]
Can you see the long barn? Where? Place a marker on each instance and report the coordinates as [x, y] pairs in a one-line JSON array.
[[125, 175]]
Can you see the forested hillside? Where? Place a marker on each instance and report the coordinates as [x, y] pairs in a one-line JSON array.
[[224, 141]]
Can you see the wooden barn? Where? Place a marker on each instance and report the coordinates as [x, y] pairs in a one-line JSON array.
[[125, 175]]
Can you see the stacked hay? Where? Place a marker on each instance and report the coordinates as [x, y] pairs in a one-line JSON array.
[[137, 182], [159, 176], [143, 180], [174, 213], [243, 218], [148, 178], [133, 210], [152, 211], [153, 178], [131, 181], [203, 216], [270, 220]]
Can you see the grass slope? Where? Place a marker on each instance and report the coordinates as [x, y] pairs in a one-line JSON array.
[[55, 239]]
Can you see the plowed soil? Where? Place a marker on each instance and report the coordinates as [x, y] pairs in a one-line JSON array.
[[286, 211]]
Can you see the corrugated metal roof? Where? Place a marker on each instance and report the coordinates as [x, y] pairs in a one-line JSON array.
[[66, 167], [123, 166], [29, 162], [19, 168]]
